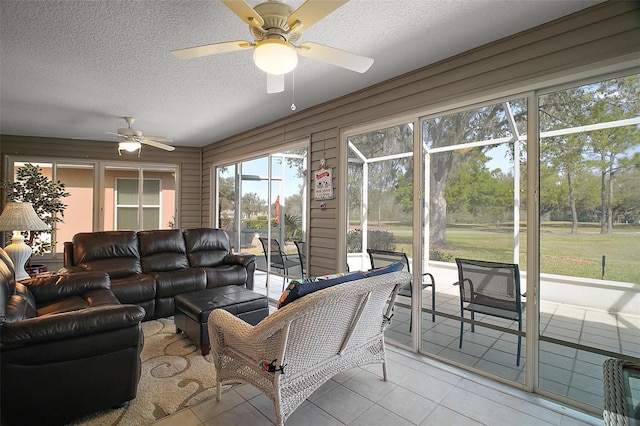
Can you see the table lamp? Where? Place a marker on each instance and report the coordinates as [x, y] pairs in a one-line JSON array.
[[18, 217]]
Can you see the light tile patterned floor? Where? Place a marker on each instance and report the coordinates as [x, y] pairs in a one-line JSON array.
[[419, 391], [567, 372]]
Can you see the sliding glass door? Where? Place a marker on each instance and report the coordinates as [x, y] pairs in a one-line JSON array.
[[473, 174], [589, 242], [262, 204], [380, 205]]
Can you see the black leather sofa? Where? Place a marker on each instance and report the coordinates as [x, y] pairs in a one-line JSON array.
[[150, 268], [68, 348]]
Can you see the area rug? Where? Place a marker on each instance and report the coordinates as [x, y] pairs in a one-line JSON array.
[[175, 375]]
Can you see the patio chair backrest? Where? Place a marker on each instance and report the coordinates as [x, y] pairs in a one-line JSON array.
[[302, 254], [382, 258], [277, 256], [492, 284]]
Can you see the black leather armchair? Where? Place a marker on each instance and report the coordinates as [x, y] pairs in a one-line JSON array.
[[68, 348]]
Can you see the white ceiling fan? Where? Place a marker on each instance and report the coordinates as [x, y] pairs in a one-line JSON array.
[[131, 139], [275, 27]]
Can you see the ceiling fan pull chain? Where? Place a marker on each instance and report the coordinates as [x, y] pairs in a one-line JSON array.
[[293, 90]]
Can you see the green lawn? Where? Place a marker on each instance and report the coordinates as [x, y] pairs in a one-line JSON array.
[[561, 253]]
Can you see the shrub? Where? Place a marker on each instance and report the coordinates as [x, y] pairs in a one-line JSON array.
[[293, 226], [259, 222], [377, 239], [441, 255]]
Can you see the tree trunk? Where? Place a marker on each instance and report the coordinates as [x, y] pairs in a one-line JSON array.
[[380, 211], [440, 166], [572, 205], [438, 235], [610, 204], [603, 201]]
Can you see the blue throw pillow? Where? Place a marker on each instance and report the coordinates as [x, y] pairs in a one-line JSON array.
[[287, 291], [393, 267], [298, 288]]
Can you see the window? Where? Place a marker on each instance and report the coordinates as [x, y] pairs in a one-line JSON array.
[[78, 179], [127, 206], [106, 196], [126, 216], [379, 192]]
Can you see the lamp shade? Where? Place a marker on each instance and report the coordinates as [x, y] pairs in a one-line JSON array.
[[275, 56], [22, 217], [18, 217]]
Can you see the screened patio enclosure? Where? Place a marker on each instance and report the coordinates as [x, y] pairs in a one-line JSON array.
[[459, 188]]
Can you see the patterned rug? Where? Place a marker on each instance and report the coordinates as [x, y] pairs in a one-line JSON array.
[[175, 375]]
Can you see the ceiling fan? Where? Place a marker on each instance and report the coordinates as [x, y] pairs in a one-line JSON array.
[[131, 139], [275, 27]]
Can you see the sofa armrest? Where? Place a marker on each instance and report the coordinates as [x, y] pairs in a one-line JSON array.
[[71, 270], [69, 325], [52, 287], [242, 259]]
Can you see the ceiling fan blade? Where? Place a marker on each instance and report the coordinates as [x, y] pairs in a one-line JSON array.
[[334, 56], [275, 83], [159, 138], [211, 49], [244, 12], [95, 138], [312, 11], [147, 141]]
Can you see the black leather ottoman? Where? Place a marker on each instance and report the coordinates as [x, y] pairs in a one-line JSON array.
[[192, 310]]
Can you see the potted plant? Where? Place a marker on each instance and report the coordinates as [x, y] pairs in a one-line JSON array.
[[46, 197]]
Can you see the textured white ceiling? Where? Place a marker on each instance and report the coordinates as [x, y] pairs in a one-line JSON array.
[[72, 69]]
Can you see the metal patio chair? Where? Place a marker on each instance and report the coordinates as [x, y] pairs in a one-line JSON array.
[[279, 260], [381, 258], [301, 246], [490, 288]]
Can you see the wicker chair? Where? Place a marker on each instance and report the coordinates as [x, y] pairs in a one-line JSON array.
[[620, 379], [306, 342]]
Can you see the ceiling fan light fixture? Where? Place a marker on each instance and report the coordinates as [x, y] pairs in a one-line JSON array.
[[129, 146], [275, 56]]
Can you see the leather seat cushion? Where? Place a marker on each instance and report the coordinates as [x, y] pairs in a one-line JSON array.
[[134, 289], [169, 284]]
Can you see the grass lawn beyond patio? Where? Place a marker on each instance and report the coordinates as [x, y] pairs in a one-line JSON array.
[[561, 253]]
